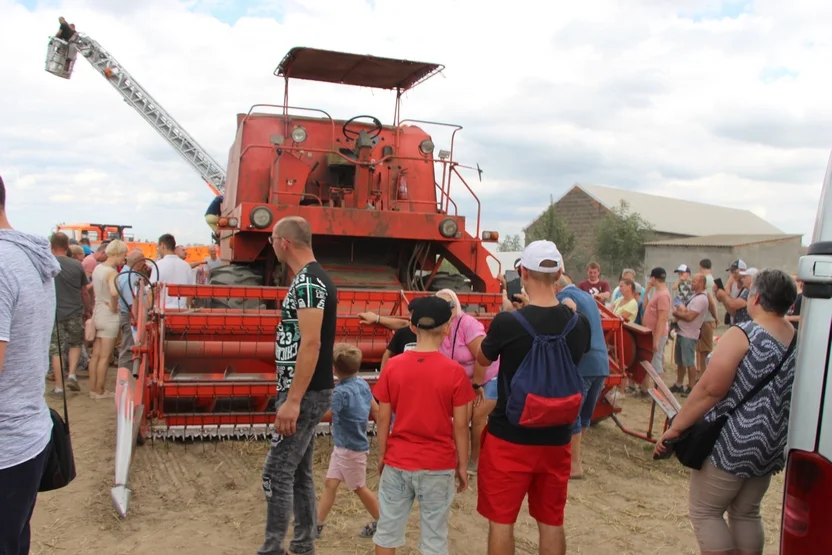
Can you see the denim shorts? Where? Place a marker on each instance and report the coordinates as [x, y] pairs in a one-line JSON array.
[[490, 389], [397, 490], [592, 392]]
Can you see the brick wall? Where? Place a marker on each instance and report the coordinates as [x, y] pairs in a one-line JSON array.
[[581, 213]]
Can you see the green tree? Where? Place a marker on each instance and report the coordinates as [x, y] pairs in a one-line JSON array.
[[620, 238], [510, 244], [550, 227]]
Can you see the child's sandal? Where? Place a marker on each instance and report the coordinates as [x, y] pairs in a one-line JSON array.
[[369, 530]]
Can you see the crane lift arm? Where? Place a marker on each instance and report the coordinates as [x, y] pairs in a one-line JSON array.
[[60, 61]]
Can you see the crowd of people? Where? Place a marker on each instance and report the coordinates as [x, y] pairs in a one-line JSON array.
[[508, 405], [441, 366]]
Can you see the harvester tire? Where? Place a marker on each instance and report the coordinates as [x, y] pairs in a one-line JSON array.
[[447, 280], [236, 274]]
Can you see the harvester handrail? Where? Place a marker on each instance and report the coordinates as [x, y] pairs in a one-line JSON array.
[[473, 194], [499, 264], [428, 122], [446, 198], [285, 116]]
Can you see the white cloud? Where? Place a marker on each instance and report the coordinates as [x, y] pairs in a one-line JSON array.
[[658, 95]]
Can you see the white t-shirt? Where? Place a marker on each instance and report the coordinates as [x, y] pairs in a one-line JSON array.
[[174, 271]]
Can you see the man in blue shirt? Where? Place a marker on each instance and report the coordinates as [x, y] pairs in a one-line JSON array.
[[134, 261], [212, 215], [594, 365]]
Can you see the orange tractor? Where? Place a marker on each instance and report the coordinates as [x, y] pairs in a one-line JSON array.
[[378, 199], [97, 233]]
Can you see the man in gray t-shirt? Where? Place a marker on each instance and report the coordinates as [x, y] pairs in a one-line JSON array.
[[27, 313], [73, 306]]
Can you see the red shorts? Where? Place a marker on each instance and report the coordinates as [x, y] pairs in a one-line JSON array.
[[509, 471]]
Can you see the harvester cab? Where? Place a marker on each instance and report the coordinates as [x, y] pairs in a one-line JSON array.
[[376, 196]]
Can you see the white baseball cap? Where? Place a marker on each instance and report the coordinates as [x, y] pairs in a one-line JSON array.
[[749, 272], [538, 252], [683, 268]]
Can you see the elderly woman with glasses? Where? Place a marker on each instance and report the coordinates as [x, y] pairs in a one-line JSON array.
[[751, 445]]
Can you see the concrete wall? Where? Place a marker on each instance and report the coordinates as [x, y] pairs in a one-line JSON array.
[[782, 254]]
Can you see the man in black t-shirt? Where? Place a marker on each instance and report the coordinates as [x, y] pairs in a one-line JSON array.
[[517, 460], [303, 354]]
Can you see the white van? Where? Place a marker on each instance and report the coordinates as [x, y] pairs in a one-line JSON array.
[[807, 505]]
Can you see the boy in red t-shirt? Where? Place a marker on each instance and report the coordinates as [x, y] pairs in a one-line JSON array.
[[430, 395]]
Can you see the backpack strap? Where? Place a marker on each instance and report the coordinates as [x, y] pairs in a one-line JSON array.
[[523, 322], [570, 325]]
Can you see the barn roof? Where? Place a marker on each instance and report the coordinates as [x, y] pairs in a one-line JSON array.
[[723, 240], [682, 217]]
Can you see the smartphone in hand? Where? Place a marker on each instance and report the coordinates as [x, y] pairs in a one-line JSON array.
[[719, 284]]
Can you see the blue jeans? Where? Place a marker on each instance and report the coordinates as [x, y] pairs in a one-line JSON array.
[[397, 490], [490, 389], [288, 479], [593, 387]]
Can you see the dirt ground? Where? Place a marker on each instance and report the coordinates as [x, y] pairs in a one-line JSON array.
[[205, 499]]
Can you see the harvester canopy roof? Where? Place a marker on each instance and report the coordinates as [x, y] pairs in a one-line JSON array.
[[354, 69]]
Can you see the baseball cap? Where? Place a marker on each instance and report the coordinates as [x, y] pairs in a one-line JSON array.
[[749, 272], [683, 268], [433, 312], [737, 265], [516, 263], [658, 273], [538, 252]]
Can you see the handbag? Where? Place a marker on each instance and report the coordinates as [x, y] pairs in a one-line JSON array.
[[697, 442], [89, 329], [60, 462]]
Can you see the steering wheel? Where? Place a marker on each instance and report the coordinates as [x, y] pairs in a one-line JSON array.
[[351, 134]]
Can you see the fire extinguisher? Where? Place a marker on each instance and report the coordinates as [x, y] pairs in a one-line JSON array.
[[402, 190]]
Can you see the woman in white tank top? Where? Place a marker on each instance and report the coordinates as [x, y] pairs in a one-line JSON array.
[[105, 317]]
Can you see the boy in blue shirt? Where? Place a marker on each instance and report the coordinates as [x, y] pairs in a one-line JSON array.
[[352, 403]]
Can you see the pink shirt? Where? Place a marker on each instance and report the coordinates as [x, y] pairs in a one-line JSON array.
[[89, 264], [699, 304], [660, 301], [465, 329]]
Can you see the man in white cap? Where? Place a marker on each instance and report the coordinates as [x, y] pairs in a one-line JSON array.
[[683, 288], [738, 307], [518, 460]]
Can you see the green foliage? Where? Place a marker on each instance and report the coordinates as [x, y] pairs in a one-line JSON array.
[[549, 227], [620, 238], [510, 244]]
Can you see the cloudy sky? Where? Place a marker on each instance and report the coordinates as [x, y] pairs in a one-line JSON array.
[[721, 101]]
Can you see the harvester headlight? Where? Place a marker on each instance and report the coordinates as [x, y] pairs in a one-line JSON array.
[[426, 146], [448, 228], [298, 134], [233, 222], [261, 217]]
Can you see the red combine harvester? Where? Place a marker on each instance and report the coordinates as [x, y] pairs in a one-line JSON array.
[[379, 202]]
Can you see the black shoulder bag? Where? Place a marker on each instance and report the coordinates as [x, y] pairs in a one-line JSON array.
[[60, 464], [697, 442]]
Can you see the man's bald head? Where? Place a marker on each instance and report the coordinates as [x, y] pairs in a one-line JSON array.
[[294, 229], [133, 257]]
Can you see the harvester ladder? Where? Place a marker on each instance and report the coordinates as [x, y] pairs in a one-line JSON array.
[[137, 97]]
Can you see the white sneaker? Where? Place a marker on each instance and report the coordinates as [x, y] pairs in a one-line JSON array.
[[72, 383]]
